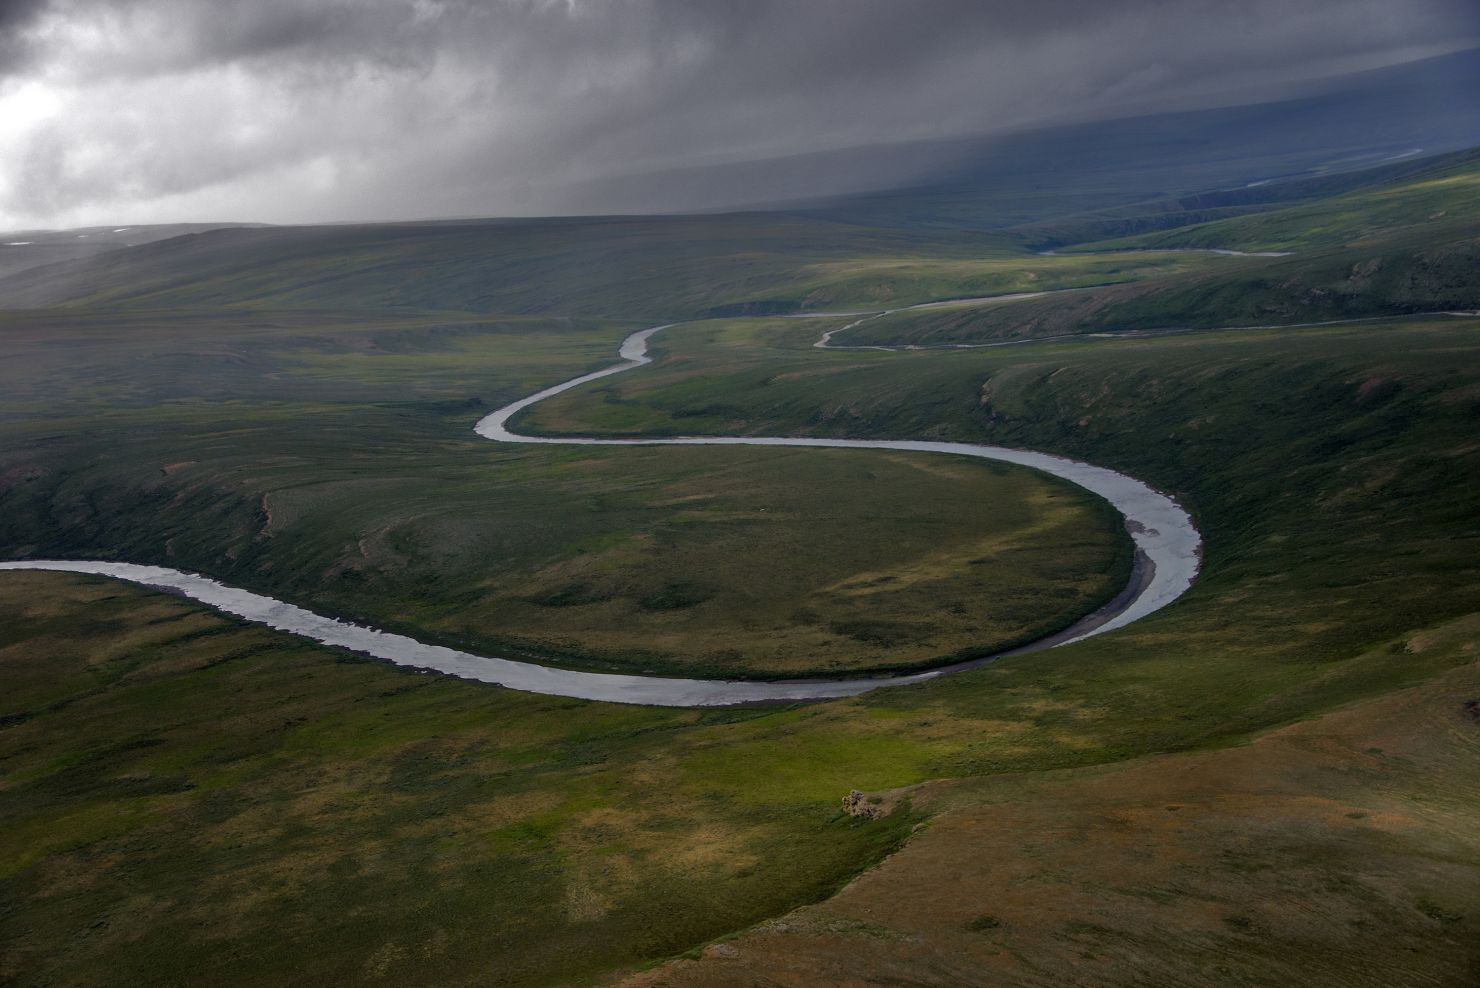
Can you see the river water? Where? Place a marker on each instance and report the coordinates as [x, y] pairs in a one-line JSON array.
[[1168, 550]]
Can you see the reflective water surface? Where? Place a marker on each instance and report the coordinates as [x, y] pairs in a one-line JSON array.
[[1168, 548]]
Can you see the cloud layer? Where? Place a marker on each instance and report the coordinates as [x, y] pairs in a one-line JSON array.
[[137, 111]]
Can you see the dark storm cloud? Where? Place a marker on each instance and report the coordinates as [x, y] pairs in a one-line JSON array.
[[334, 109], [16, 16]]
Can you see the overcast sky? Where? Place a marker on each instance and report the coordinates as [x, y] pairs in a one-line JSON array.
[[135, 111]]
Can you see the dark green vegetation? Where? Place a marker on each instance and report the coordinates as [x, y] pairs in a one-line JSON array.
[[191, 802], [1330, 470], [186, 800], [1147, 222], [23, 249], [330, 461], [641, 268], [1402, 246], [1435, 198]]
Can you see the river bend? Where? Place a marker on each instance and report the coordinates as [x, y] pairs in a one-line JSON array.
[[1167, 553]]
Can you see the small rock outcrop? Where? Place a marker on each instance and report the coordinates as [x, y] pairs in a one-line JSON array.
[[856, 804]]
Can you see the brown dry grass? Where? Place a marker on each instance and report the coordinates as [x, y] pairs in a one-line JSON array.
[[1338, 851]]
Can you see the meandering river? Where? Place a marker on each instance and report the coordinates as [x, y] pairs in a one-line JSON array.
[[1167, 547]]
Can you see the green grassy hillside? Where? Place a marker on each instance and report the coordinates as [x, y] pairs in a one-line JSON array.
[[1416, 276], [190, 801], [1439, 199], [1404, 246], [330, 460], [1234, 157], [1392, 239], [1248, 428], [357, 822], [655, 269], [640, 267], [187, 800], [1158, 220]]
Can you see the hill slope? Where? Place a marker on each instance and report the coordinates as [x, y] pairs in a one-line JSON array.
[[1407, 245]]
